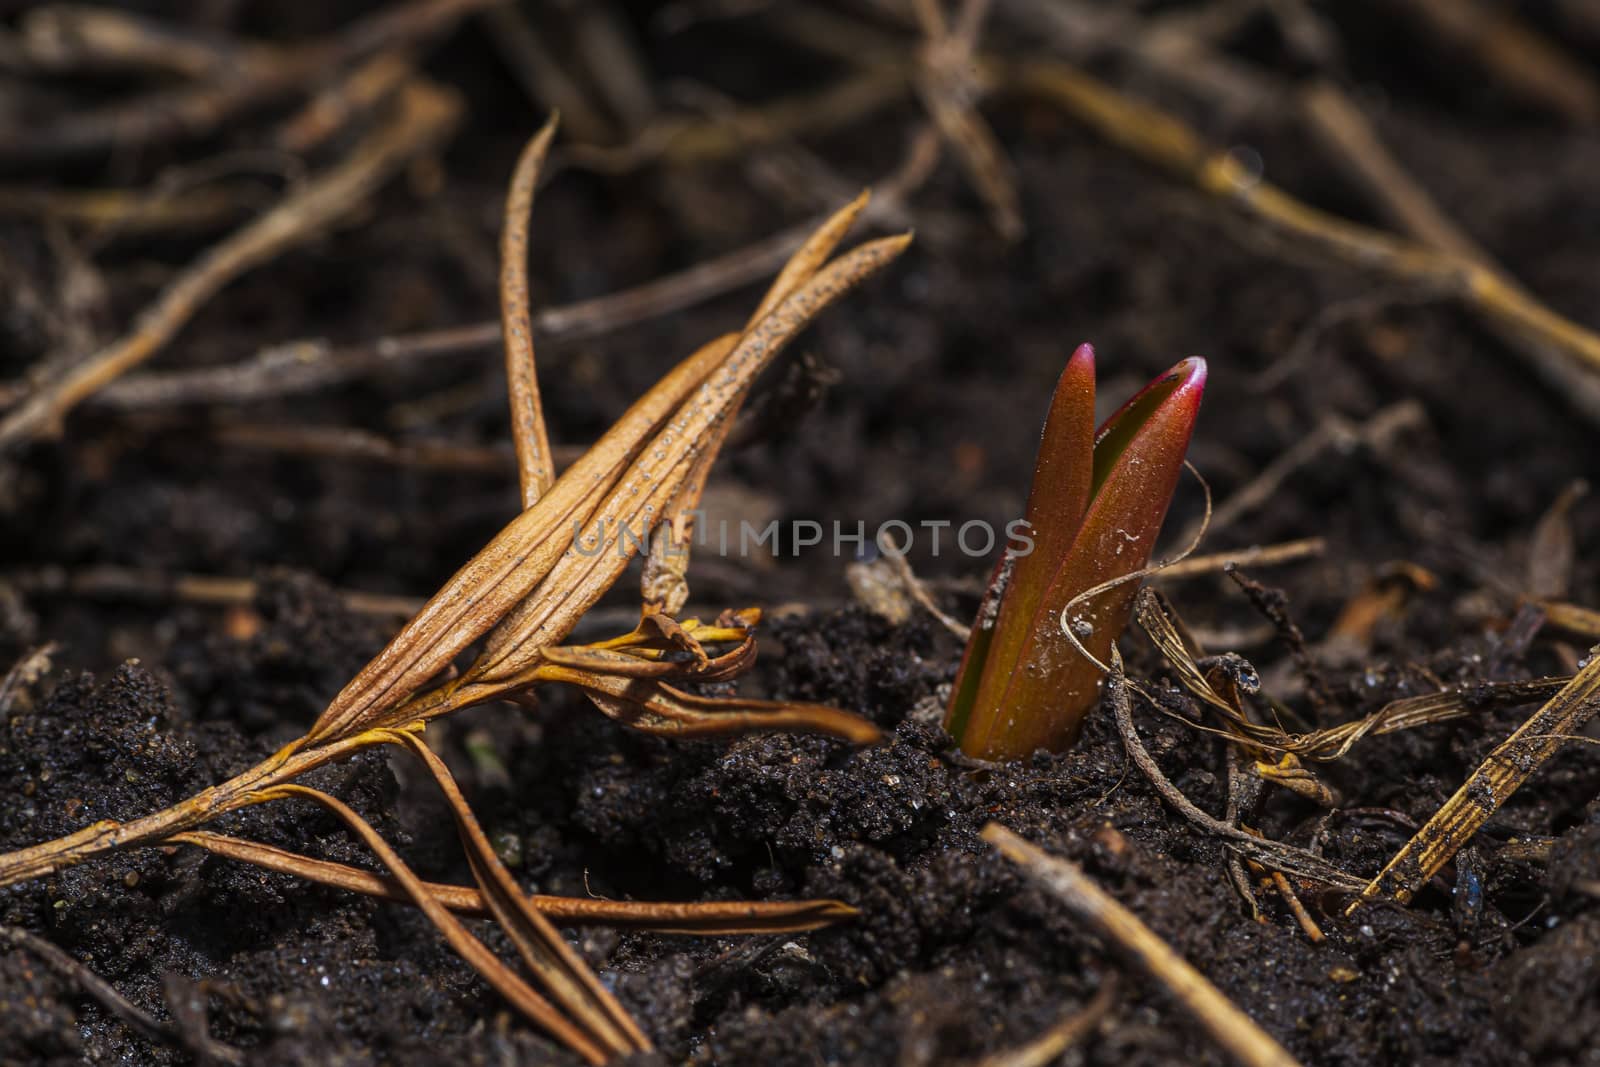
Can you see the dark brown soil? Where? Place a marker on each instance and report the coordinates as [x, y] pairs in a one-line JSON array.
[[944, 367]]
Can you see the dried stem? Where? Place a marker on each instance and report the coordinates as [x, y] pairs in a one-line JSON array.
[[1166, 142], [526, 590], [117, 583], [534, 462], [1501, 774], [475, 952], [1231, 1028], [1252, 556], [108, 998], [306, 365], [711, 918], [1336, 118], [1268, 853], [423, 117], [1049, 1046], [249, 80], [558, 967]]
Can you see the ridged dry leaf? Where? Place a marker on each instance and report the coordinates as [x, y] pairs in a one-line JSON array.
[[534, 581]]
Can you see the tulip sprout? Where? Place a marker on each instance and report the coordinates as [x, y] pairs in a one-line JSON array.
[[1095, 508]]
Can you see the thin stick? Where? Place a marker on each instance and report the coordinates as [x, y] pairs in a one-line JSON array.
[[260, 77], [128, 583], [102, 992], [1253, 556], [560, 969], [1491, 785], [1376, 432], [1231, 1028], [531, 60], [1336, 118], [1166, 142], [303, 366], [1265, 851], [344, 443], [505, 981], [424, 116], [358, 91], [709, 918], [1527, 63], [1308, 925], [1048, 1046], [535, 467]]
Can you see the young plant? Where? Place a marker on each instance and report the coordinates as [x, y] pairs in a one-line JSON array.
[[1095, 508]]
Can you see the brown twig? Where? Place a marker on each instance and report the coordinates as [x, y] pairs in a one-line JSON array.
[[710, 918], [505, 981], [1271, 854], [356, 92], [1252, 556], [559, 968], [129, 210], [1168, 143], [1308, 925], [1048, 1047], [1333, 431], [423, 117], [303, 366], [1165, 48], [259, 78], [69, 38], [1337, 119], [1527, 63], [524, 593], [615, 66], [1161, 626], [945, 84], [343, 443], [1504, 771], [125, 583], [531, 58], [1231, 1028], [102, 993]]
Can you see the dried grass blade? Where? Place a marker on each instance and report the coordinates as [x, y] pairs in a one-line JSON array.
[[1334, 742], [650, 484], [1270, 853], [654, 707], [708, 918], [541, 947], [424, 116], [535, 463], [505, 981], [810, 257], [664, 584], [1501, 774], [520, 556], [1221, 1018]]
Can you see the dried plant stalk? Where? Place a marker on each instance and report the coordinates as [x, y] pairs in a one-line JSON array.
[[423, 117], [534, 461], [1332, 743], [1221, 1018], [525, 591], [709, 918], [1491, 785], [1167, 142]]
